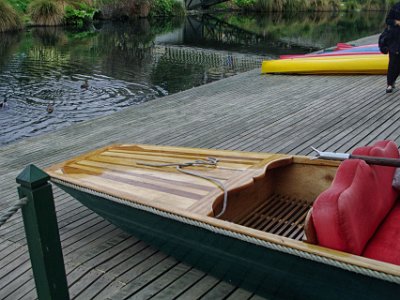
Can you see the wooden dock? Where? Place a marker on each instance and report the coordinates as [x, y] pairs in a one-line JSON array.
[[249, 112]]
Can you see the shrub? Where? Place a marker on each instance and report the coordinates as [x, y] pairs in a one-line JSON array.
[[325, 5], [288, 5], [178, 9], [19, 5], [166, 8], [80, 14], [352, 5], [9, 19], [116, 9], [270, 5], [46, 12], [299, 5], [245, 4], [376, 4]]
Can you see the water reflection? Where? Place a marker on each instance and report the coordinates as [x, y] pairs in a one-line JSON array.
[[278, 34], [130, 63], [8, 46]]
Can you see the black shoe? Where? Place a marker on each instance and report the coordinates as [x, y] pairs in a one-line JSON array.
[[389, 89]]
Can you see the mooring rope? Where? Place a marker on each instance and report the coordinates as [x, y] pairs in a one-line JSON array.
[[12, 210], [209, 161]]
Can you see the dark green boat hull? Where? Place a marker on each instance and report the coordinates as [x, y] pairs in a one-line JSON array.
[[268, 273]]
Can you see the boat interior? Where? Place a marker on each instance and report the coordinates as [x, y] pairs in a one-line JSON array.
[[278, 202], [352, 207]]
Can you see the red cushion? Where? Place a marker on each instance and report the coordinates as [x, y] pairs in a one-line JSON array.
[[385, 245], [358, 217], [325, 212], [385, 174], [343, 214], [347, 215]]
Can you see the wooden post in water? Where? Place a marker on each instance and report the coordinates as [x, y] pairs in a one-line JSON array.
[[42, 234]]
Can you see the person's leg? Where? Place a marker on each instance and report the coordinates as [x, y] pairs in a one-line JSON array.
[[392, 69], [396, 68]]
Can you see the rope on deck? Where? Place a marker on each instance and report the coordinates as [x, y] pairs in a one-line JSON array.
[[229, 233], [209, 161], [12, 210]]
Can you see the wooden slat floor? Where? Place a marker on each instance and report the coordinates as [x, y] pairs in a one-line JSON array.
[[249, 112]]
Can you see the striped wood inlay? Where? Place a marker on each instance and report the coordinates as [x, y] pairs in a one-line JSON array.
[[131, 172]]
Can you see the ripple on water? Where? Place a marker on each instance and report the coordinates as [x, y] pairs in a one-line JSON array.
[[28, 97]]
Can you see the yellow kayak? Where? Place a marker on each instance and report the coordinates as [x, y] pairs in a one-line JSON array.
[[343, 64]]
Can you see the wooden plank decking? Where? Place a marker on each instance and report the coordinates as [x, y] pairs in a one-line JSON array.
[[246, 112]]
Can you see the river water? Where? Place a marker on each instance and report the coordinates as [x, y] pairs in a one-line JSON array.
[[126, 64]]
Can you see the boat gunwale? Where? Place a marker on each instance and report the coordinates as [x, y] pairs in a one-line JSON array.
[[257, 237]]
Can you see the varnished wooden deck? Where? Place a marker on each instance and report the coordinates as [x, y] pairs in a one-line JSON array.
[[246, 112]]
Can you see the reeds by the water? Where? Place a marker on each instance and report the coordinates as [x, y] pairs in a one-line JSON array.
[[314, 5], [296, 5], [46, 12], [9, 19]]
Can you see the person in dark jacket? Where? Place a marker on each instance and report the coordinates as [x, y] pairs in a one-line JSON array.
[[393, 21]]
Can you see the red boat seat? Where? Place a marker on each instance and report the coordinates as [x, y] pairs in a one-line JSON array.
[[354, 210], [385, 245]]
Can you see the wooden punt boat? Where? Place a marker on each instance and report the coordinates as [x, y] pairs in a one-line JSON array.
[[254, 241]]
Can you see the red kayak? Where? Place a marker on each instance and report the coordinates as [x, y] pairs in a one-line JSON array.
[[344, 50]]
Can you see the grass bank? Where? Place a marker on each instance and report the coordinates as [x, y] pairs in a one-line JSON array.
[[309, 5], [10, 20], [15, 14]]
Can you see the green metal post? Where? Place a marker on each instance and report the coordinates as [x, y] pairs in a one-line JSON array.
[[42, 235]]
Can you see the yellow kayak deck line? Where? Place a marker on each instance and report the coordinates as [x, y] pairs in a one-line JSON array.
[[345, 64]]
